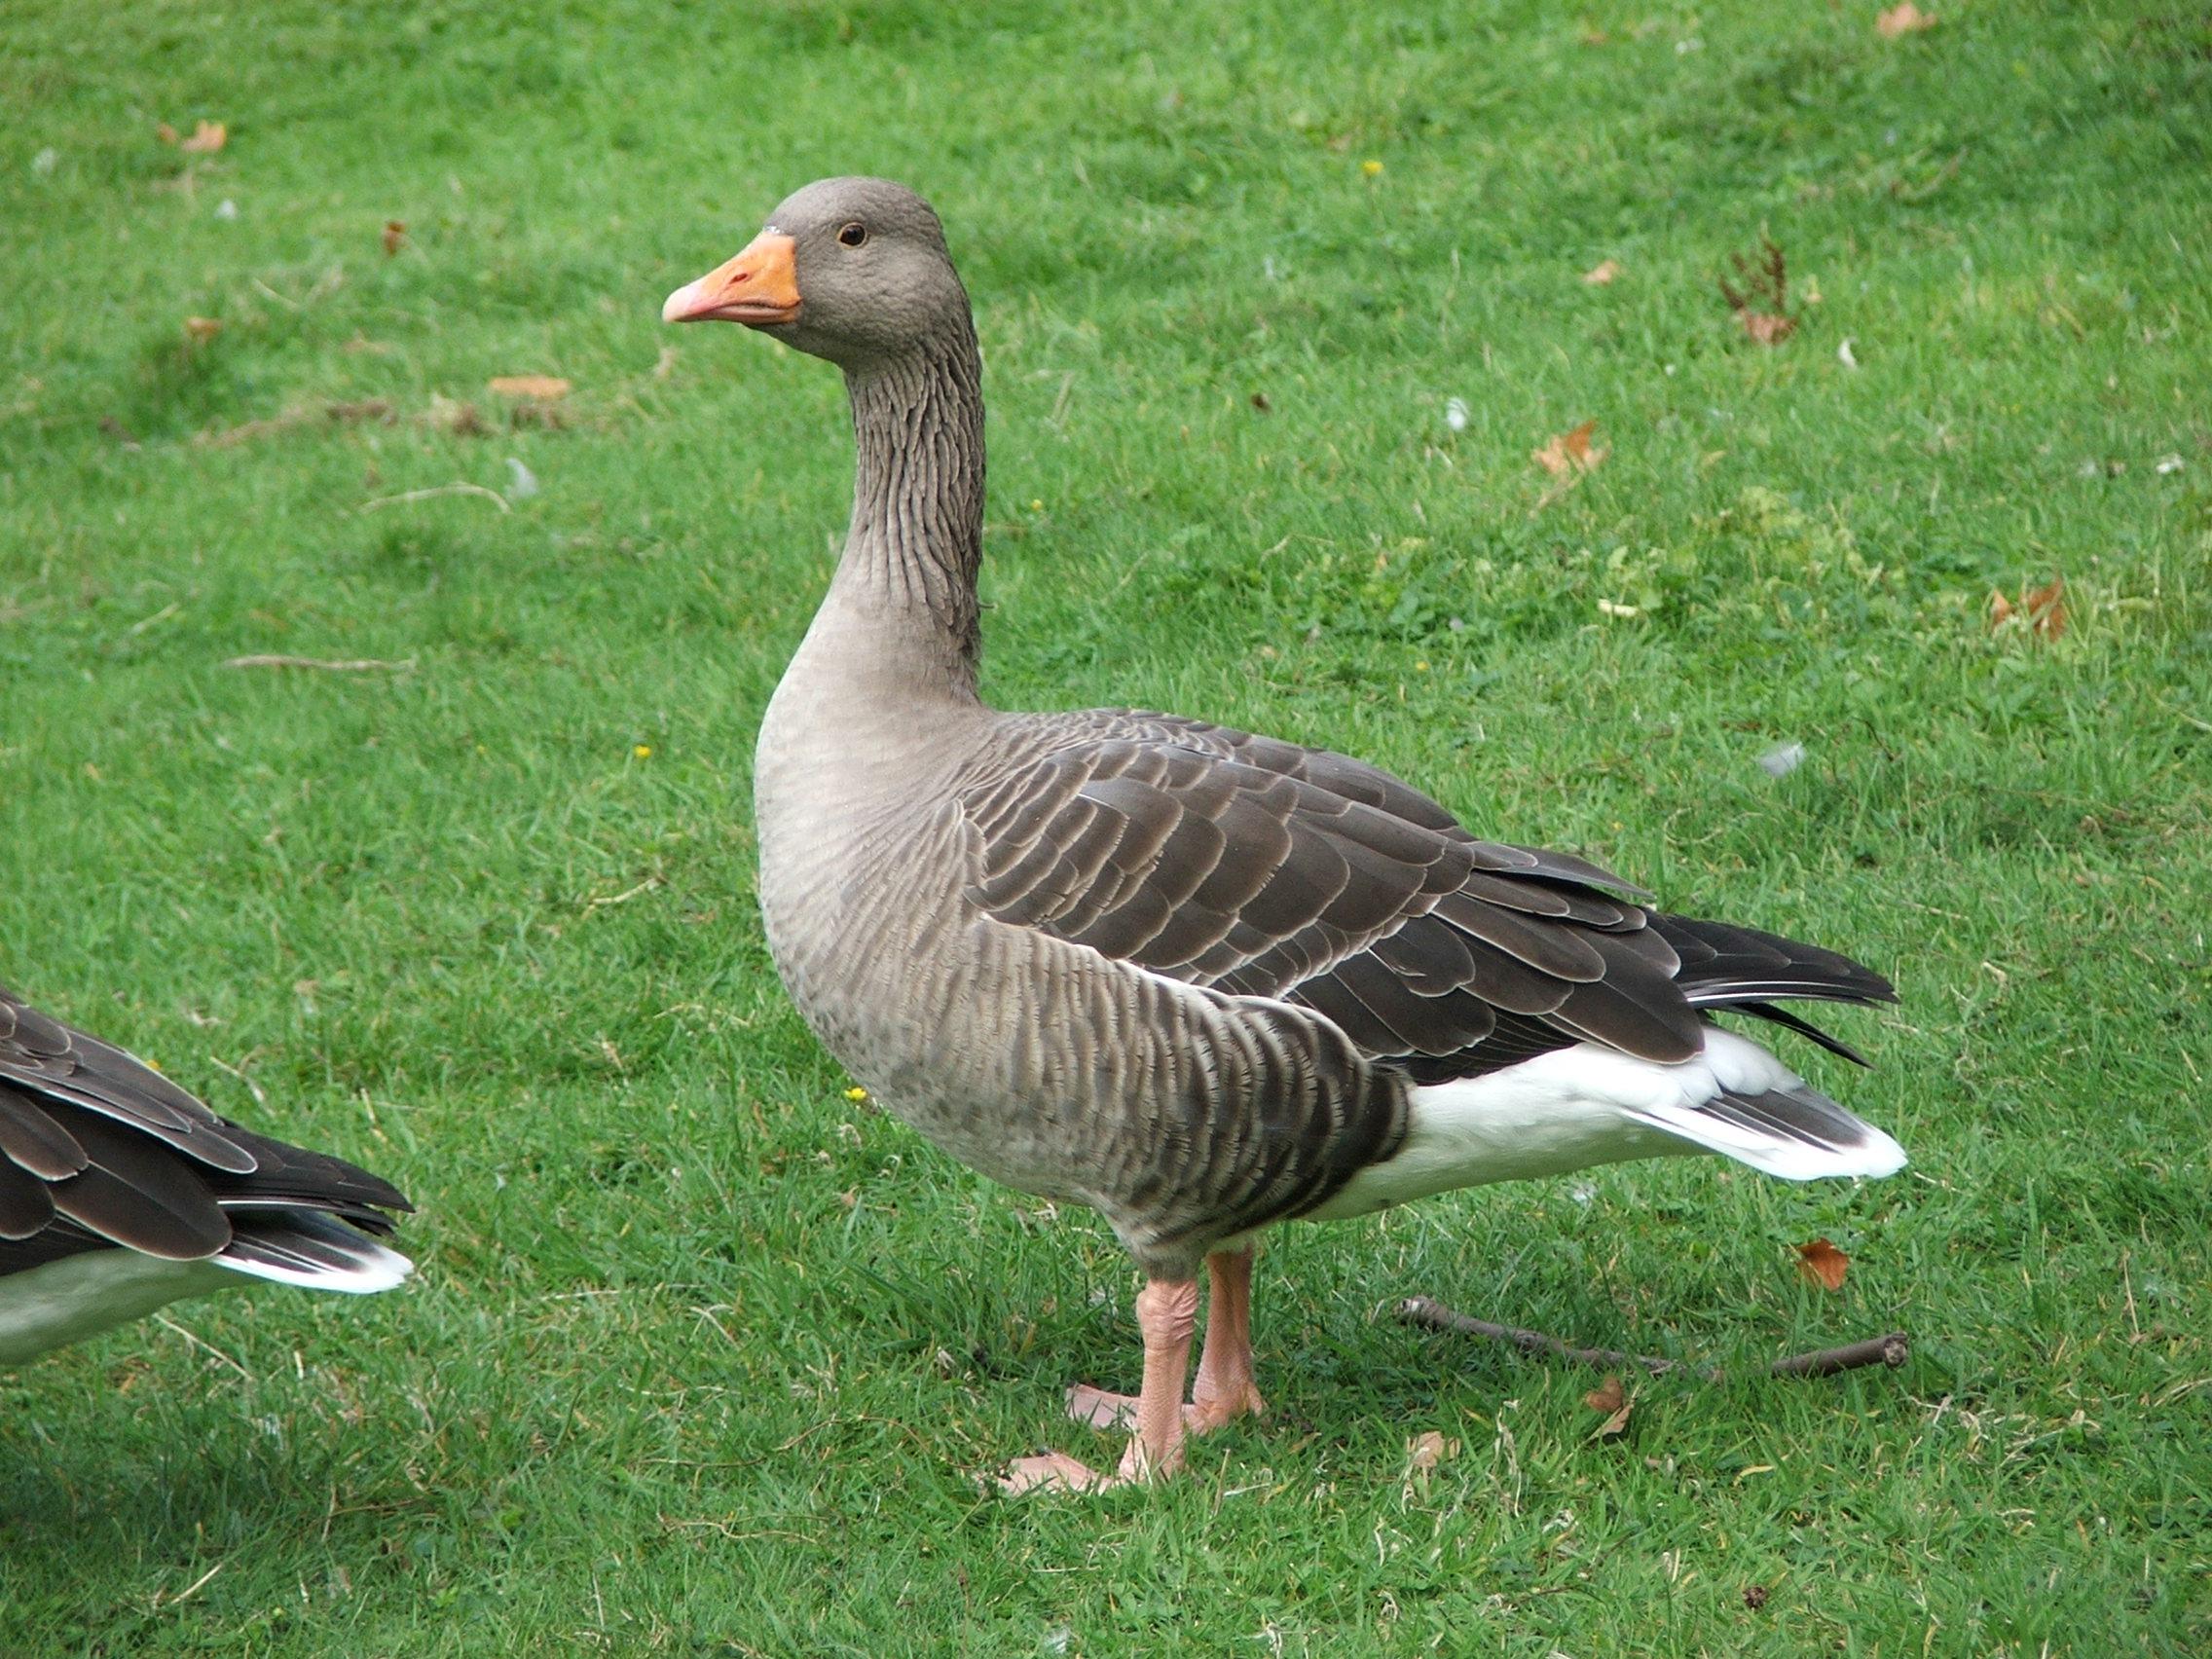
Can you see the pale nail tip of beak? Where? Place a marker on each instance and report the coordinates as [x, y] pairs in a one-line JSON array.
[[673, 307]]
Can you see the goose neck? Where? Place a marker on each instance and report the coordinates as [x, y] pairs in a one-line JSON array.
[[916, 541]]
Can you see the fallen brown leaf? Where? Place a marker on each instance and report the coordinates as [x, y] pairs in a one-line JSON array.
[[2043, 608], [1613, 1399], [1426, 1451], [395, 236], [2047, 606], [543, 388], [202, 329], [1601, 273], [1823, 1263], [1569, 452], [207, 138], [166, 133], [1902, 19], [1762, 305], [451, 415]]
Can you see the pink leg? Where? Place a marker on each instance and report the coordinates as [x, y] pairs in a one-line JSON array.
[[1226, 1388], [1167, 1313]]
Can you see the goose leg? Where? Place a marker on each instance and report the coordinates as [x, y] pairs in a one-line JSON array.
[[1167, 1314], [1226, 1388]]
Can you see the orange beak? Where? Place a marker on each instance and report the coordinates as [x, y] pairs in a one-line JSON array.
[[760, 286]]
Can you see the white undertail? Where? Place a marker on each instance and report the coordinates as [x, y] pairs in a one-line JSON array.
[[1586, 1105]]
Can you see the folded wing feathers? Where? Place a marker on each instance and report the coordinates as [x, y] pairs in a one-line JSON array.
[[29, 1137], [1263, 869], [44, 1058], [1804, 1028], [26, 1206]]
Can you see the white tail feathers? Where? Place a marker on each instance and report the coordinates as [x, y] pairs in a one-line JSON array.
[[1799, 1135], [1573, 1108], [1759, 1111], [314, 1251]]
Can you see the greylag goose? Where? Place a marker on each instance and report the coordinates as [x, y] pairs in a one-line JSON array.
[[1200, 980], [120, 1192]]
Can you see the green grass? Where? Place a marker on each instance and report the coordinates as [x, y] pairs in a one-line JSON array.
[[702, 1355]]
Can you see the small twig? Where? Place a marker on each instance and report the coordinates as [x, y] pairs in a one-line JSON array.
[[493, 496], [238, 1071], [327, 665], [1891, 1348], [1422, 1310], [645, 886], [193, 1589], [168, 1324]]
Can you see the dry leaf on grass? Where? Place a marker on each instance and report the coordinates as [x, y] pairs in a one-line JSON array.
[[543, 388], [166, 133], [1426, 1451], [1823, 1263], [1762, 305], [335, 414], [2043, 609], [207, 138], [1902, 19], [450, 414], [1569, 453], [1601, 273], [395, 236], [1613, 1399], [199, 330]]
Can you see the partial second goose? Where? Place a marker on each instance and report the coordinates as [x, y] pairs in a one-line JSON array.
[[120, 1192]]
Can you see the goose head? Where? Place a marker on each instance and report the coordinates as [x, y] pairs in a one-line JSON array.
[[853, 270]]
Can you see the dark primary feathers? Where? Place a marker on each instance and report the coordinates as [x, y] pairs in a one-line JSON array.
[[99, 1150], [1261, 868]]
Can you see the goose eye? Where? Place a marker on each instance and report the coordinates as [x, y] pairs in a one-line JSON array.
[[853, 235]]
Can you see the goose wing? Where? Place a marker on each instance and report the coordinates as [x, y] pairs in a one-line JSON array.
[[1261, 868]]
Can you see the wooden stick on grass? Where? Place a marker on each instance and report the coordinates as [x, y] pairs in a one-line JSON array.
[[493, 496], [327, 665], [1891, 1348]]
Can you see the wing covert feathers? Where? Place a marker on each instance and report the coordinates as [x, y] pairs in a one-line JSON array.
[[1262, 868]]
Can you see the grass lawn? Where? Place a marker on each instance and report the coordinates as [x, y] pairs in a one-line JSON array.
[[704, 1354]]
